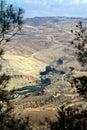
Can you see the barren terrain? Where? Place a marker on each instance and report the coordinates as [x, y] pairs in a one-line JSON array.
[[39, 45]]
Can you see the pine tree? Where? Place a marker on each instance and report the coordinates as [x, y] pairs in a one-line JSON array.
[[80, 44], [11, 22]]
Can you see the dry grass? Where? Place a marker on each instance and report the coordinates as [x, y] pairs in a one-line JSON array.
[[23, 71]]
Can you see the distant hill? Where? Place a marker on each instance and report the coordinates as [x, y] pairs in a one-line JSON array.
[[41, 21], [39, 33]]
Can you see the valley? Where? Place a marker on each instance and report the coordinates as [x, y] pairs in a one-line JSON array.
[[39, 61]]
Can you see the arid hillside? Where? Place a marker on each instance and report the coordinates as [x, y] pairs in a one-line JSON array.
[[23, 71], [41, 42], [39, 61]]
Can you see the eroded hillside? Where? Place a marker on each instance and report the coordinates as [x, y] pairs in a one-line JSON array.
[[39, 90], [23, 71]]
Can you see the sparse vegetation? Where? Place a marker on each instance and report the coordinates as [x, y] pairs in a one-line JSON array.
[[47, 70], [67, 118], [45, 82]]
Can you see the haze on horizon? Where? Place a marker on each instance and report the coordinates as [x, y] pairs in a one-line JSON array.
[[43, 8]]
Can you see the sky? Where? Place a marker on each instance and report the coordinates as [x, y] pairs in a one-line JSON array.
[[42, 8]]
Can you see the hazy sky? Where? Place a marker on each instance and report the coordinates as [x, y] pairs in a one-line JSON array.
[[75, 8]]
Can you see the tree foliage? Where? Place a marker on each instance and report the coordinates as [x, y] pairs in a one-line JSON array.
[[10, 123], [11, 21], [81, 85], [70, 119], [80, 42]]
